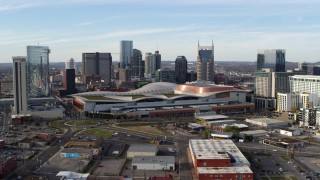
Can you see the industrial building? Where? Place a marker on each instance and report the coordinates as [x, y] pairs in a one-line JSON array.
[[283, 142], [195, 127], [153, 163], [290, 132], [218, 159], [209, 173], [142, 150], [267, 123], [255, 133]]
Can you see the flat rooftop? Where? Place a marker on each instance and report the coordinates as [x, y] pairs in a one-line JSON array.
[[4, 158], [221, 121], [153, 159], [212, 117], [217, 149], [254, 132], [76, 150], [195, 125], [267, 120], [143, 148], [283, 140], [220, 170]]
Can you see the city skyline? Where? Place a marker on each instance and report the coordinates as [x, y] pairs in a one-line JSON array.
[[237, 28]]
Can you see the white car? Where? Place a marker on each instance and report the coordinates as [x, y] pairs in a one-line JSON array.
[[171, 149]]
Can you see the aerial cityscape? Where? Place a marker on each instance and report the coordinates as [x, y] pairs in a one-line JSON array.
[[169, 90]]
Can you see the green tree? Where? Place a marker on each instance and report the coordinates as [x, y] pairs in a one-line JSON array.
[[248, 138], [233, 129]]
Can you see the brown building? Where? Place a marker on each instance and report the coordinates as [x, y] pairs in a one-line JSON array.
[[7, 165], [86, 141]]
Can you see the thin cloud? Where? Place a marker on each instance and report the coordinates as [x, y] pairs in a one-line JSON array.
[[97, 21]]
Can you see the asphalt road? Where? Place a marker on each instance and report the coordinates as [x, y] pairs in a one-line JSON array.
[[35, 163]]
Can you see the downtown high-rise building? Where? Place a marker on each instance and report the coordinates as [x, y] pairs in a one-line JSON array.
[[97, 64], [157, 58], [205, 63], [126, 53], [181, 69], [136, 64], [272, 59], [38, 71], [152, 64], [19, 85], [70, 64]]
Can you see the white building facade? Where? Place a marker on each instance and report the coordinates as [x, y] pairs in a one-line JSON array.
[[20, 85], [305, 83]]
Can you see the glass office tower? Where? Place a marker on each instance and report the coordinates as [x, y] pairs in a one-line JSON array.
[[38, 71], [272, 59], [126, 53]]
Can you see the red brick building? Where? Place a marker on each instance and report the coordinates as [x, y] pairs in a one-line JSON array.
[[219, 159], [7, 165]]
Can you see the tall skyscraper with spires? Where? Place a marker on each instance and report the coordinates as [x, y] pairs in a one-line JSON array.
[[205, 63]]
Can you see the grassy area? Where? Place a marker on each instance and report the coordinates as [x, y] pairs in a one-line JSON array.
[[97, 98], [278, 178], [293, 178], [104, 133], [136, 96], [82, 123], [142, 124], [285, 158], [172, 95], [264, 178], [56, 125], [149, 129]]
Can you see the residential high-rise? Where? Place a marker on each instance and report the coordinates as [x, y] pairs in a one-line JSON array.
[[181, 69], [268, 84], [70, 64], [305, 83], [271, 58], [136, 64], [38, 71], [97, 64], [20, 85], [152, 64], [205, 63], [126, 53], [295, 101], [69, 79], [148, 65]]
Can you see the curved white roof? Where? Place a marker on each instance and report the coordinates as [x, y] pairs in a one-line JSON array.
[[152, 88]]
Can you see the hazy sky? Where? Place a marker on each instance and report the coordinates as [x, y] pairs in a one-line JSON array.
[[237, 27]]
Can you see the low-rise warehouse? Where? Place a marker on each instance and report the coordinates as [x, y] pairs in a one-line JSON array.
[[153, 163], [220, 159], [255, 133], [142, 150], [267, 123]]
